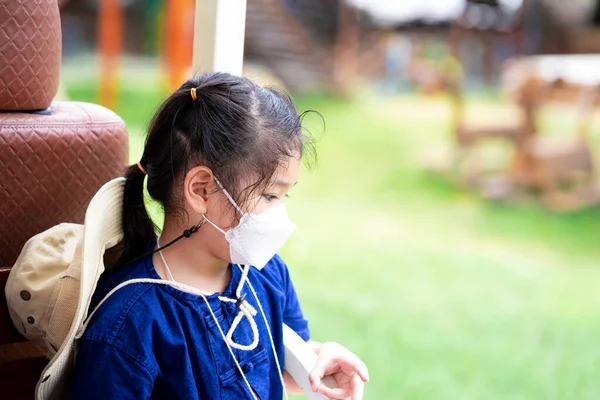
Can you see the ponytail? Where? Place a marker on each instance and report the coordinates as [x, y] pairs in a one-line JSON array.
[[138, 228]]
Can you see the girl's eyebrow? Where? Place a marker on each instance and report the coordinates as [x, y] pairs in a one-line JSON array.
[[284, 183]]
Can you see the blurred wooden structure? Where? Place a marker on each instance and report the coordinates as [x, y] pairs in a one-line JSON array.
[[312, 44], [467, 134], [482, 21], [560, 171], [563, 170], [279, 40]]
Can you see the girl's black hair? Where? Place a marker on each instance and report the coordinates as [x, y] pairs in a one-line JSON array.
[[240, 130]]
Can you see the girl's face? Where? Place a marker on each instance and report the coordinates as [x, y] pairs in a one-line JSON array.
[[222, 213]]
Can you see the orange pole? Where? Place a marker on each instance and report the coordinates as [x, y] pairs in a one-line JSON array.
[[110, 42], [179, 44]]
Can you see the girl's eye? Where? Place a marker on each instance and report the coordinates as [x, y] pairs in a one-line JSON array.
[[271, 197]]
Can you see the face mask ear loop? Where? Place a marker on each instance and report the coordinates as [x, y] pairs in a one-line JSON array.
[[229, 196], [213, 224]]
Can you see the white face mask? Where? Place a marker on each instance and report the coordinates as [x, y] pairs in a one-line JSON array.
[[258, 237]]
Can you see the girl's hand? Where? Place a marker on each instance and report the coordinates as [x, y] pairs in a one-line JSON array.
[[347, 369]]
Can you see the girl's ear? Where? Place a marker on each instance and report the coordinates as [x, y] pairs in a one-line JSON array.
[[196, 187]]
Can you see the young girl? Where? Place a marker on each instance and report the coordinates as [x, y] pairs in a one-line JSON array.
[[220, 156]]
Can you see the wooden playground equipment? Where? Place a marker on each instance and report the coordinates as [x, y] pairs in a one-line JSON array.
[[561, 172]]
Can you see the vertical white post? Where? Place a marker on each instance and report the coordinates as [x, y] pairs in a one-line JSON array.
[[219, 29]]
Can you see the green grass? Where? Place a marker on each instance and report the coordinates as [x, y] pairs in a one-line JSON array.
[[444, 296]]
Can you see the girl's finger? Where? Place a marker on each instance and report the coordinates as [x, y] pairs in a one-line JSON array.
[[356, 364], [315, 379], [361, 370], [334, 393], [358, 388], [319, 371]]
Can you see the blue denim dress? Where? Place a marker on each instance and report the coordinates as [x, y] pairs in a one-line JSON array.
[[151, 341]]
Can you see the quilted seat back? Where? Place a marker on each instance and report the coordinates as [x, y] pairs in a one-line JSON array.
[[52, 160], [51, 166], [30, 50]]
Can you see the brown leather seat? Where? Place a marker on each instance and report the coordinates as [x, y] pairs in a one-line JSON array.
[[53, 157], [52, 165]]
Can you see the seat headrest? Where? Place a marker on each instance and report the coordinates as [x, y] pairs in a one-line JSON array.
[[30, 54]]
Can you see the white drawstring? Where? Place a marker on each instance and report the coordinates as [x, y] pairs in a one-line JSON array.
[[279, 369], [245, 269], [246, 309]]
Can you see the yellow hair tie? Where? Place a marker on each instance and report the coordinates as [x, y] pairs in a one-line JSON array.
[[193, 93], [139, 164]]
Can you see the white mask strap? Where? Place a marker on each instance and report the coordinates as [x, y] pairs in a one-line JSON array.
[[215, 225], [228, 196]]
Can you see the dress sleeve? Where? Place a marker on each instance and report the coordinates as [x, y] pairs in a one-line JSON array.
[[103, 371], [292, 312]]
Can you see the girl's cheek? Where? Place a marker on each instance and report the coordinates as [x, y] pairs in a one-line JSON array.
[[261, 207], [223, 250]]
